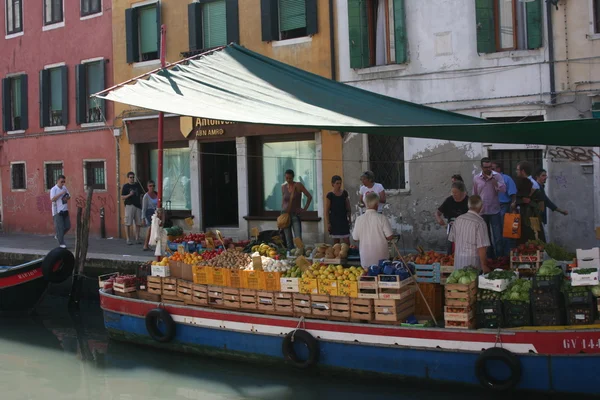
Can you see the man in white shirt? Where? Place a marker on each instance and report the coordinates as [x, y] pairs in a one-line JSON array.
[[372, 232], [59, 196], [469, 233]]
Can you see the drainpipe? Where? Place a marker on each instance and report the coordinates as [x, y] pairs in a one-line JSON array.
[[332, 41], [118, 154], [551, 51]]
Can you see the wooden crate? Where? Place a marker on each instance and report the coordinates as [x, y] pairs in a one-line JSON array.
[[120, 288], [290, 285], [199, 294], [407, 289], [361, 309], [154, 285], [394, 310], [265, 300], [172, 300], [284, 304], [215, 295], [184, 289], [434, 295], [445, 272], [459, 317], [147, 296], [169, 287], [130, 295], [321, 305], [248, 299], [302, 304], [231, 298], [368, 287], [340, 307], [458, 295], [461, 324], [428, 273]]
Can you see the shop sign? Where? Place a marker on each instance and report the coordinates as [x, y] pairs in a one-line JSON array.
[[204, 127]]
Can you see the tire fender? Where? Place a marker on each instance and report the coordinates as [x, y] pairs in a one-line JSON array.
[[152, 318], [58, 265], [307, 339], [504, 356]]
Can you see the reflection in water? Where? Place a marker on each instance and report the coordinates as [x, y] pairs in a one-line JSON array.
[[60, 356]]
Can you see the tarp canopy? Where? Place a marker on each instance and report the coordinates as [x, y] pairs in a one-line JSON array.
[[235, 84]]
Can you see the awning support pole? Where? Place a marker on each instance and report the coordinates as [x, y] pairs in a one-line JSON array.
[[161, 119]]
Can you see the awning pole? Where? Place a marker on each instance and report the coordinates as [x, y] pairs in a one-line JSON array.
[[161, 117]]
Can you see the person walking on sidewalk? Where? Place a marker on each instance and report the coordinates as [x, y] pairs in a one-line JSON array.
[[132, 195], [149, 205], [59, 196], [508, 203]]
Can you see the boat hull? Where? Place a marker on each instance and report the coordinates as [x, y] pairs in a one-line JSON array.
[[21, 288]]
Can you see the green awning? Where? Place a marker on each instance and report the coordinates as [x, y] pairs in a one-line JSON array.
[[239, 85]]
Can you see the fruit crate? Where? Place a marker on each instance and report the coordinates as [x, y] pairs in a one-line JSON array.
[[445, 272], [155, 285], [361, 309], [549, 317], [340, 307], [549, 281], [199, 294], [169, 287], [514, 308], [231, 298], [283, 303], [235, 278], [348, 288], [368, 287], [581, 315], [590, 279], [248, 299], [579, 298], [172, 300], [290, 285], [215, 295], [490, 321], [428, 273], [302, 305], [392, 282], [459, 317], [434, 295], [184, 289], [489, 307], [525, 258], [394, 310], [546, 298], [328, 286], [515, 321], [407, 290], [321, 305], [265, 301], [460, 295]]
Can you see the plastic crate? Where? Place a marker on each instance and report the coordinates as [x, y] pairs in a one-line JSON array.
[[516, 313], [489, 307], [549, 317], [546, 298], [574, 298], [581, 315], [544, 282], [489, 321]]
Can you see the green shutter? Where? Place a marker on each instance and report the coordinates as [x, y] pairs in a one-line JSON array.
[[400, 32], [486, 33], [269, 15], [95, 77], [358, 33], [214, 24], [292, 15], [44, 98], [80, 94], [64, 94], [534, 24], [55, 89], [596, 109], [233, 21], [195, 26], [312, 21], [148, 30], [6, 123], [24, 105], [131, 36], [16, 99]]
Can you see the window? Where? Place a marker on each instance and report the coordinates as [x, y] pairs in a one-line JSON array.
[[510, 159], [54, 103], [95, 175], [176, 177], [89, 7], [17, 176], [142, 25], [53, 171], [508, 25], [89, 79], [14, 103], [377, 32], [14, 16], [596, 5], [213, 23], [386, 160], [288, 19], [53, 12]]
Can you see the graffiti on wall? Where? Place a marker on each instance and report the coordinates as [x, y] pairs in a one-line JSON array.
[[16, 202], [98, 202], [571, 154]]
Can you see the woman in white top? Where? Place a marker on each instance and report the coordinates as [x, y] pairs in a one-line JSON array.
[[370, 186]]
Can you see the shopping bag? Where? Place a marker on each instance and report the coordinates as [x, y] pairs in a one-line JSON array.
[[512, 226]]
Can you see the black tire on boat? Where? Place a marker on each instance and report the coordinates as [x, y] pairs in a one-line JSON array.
[[152, 318], [58, 265], [311, 343], [502, 355]]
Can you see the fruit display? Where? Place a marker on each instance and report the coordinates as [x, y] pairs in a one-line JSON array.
[[549, 268], [187, 258], [323, 271], [338, 250], [463, 276], [293, 272], [519, 290], [163, 262], [558, 253], [230, 259], [529, 248], [269, 264], [499, 263], [265, 250]]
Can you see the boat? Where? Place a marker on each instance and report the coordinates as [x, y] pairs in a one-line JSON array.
[[22, 286], [541, 359]]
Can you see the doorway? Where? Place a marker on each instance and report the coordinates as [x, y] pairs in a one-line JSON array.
[[219, 184], [510, 159]]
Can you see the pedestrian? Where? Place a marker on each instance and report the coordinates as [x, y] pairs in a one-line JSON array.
[[337, 212], [508, 203], [132, 196], [372, 231], [541, 176], [291, 203], [59, 196], [456, 178], [370, 186], [454, 206], [149, 205], [488, 184], [530, 202], [470, 235]]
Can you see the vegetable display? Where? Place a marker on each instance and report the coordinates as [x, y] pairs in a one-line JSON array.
[[463, 276], [558, 253], [584, 271], [485, 295], [174, 231], [322, 271], [549, 268], [595, 290], [500, 275], [294, 272], [228, 259], [519, 290]]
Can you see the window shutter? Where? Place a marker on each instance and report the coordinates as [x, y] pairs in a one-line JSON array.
[[312, 21], [195, 26], [131, 35], [233, 21], [44, 98], [534, 24], [292, 14], [6, 123], [80, 94], [214, 24], [486, 32], [269, 17], [24, 106], [358, 33], [158, 27], [65, 95], [102, 84], [400, 32]]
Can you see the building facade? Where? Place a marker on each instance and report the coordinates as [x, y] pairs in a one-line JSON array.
[[485, 58], [55, 55]]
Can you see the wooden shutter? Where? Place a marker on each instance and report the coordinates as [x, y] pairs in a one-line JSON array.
[[358, 33], [233, 21], [24, 105], [269, 17], [400, 32], [214, 24], [486, 31], [6, 122], [292, 15], [131, 35], [44, 98], [80, 94], [195, 26], [65, 95], [534, 24], [312, 20], [158, 27]]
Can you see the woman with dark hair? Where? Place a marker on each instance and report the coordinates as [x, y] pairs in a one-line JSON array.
[[149, 205], [454, 206], [457, 178], [370, 186], [292, 200], [337, 212]]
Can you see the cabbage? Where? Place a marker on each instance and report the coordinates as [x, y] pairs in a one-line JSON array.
[[465, 280], [514, 296], [596, 291], [544, 270], [451, 279], [473, 275]]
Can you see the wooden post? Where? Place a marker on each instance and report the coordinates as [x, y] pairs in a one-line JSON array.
[[81, 246]]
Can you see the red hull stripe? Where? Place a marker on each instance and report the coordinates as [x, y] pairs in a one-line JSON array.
[[21, 278]]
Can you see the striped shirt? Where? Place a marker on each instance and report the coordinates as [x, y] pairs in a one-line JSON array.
[[469, 233]]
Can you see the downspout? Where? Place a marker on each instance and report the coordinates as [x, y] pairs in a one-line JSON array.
[[332, 41], [118, 154], [551, 59]]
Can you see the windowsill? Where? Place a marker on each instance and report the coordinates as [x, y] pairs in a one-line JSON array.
[[95, 190], [397, 192], [594, 36], [274, 218], [91, 16], [18, 132], [513, 54], [53, 26], [14, 35], [291, 42], [93, 124], [18, 190], [149, 63], [55, 128], [381, 68]]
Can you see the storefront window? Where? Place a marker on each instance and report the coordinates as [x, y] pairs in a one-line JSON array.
[[299, 156], [176, 177]]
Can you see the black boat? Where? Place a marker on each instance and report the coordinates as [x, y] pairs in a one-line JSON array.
[[22, 286]]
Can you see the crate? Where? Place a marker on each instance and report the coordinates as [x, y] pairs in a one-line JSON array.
[[321, 305], [361, 309], [231, 298], [309, 286], [393, 310], [215, 295], [221, 276], [284, 304], [272, 281], [302, 304], [265, 301], [588, 258], [169, 287], [160, 270], [428, 273], [584, 280], [581, 315], [525, 258], [253, 280], [199, 294], [184, 289], [173, 300], [548, 282], [496, 285], [392, 282], [434, 295], [549, 317], [145, 295], [248, 299], [583, 299], [348, 288], [155, 285], [546, 298], [457, 294], [451, 315], [340, 307], [289, 285], [489, 321], [328, 286], [368, 287], [398, 294], [235, 278], [202, 274], [445, 272], [489, 307]]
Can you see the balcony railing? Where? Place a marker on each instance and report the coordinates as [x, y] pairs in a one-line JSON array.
[[94, 115], [56, 118]]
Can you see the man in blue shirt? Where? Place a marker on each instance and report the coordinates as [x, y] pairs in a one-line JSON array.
[[508, 201]]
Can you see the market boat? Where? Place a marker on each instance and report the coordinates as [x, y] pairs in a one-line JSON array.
[[557, 359], [22, 286]]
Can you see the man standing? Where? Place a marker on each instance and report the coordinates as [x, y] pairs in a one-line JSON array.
[[131, 195], [541, 176], [59, 196], [372, 231], [488, 185], [508, 201], [470, 237]]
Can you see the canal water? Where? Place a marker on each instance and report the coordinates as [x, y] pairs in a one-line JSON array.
[[58, 355]]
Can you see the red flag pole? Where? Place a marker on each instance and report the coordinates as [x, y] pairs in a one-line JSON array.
[[161, 118]]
